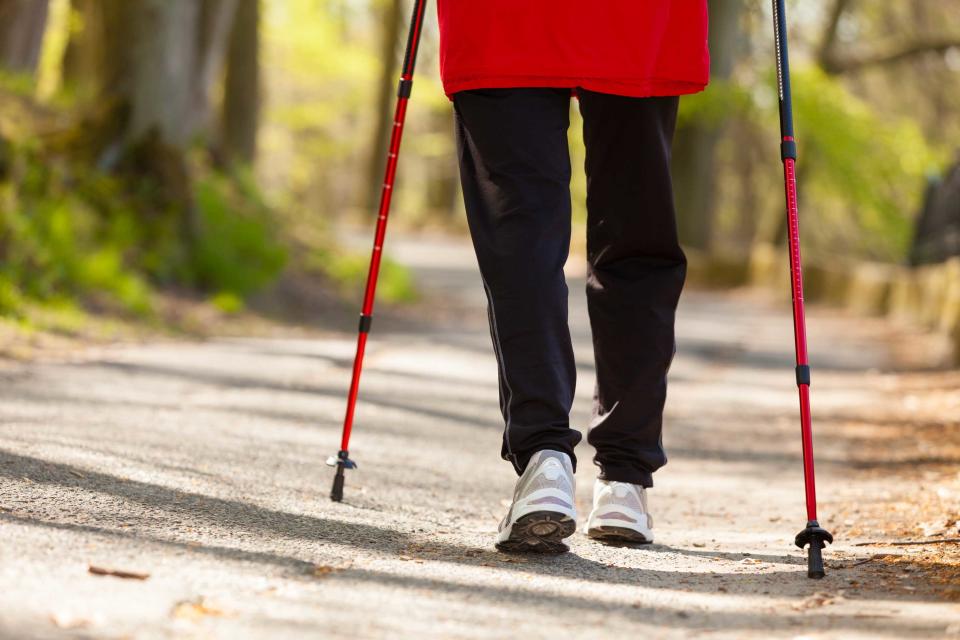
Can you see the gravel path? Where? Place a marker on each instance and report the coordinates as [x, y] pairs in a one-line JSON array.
[[200, 466]]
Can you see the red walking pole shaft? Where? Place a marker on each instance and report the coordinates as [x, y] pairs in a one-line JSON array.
[[800, 333], [813, 535], [374, 271], [342, 460]]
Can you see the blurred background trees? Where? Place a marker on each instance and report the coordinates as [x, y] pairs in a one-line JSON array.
[[21, 34], [875, 87], [209, 146]]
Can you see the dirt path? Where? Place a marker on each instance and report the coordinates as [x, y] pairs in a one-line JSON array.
[[201, 465]]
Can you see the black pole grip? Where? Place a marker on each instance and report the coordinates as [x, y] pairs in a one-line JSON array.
[[413, 38], [783, 68]]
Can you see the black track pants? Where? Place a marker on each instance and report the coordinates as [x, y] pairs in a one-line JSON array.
[[515, 169]]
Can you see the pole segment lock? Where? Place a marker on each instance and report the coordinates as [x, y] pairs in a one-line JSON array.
[[342, 459], [813, 536]]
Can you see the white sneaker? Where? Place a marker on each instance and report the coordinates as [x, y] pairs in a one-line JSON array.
[[543, 511], [620, 513]]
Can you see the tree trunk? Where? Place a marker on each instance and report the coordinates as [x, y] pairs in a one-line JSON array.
[[377, 160], [694, 154], [216, 24], [84, 55], [22, 23], [241, 99], [150, 47], [141, 124]]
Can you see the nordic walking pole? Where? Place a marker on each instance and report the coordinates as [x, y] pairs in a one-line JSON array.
[[813, 536], [342, 460]]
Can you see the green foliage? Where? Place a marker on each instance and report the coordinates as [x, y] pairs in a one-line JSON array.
[[237, 251], [714, 106], [860, 175], [71, 233], [227, 302], [320, 81], [862, 169], [349, 271], [11, 300], [19, 84], [54, 244]]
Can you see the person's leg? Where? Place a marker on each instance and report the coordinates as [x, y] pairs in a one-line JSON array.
[[515, 171], [636, 271]]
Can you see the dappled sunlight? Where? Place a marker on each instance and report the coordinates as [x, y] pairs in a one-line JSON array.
[[215, 451], [194, 197]]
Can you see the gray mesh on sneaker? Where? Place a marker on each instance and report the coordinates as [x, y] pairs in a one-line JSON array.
[[630, 500], [540, 481], [527, 484], [562, 457]]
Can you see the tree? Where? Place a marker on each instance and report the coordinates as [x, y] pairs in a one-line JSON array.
[[161, 61], [150, 51], [241, 95], [22, 23], [390, 12], [214, 32], [694, 154], [905, 48], [80, 65]]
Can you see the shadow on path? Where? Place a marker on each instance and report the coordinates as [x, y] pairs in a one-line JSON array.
[[235, 517], [686, 618]]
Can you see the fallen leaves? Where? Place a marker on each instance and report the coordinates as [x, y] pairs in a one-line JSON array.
[[117, 573], [196, 609], [815, 601], [939, 527], [324, 570], [939, 567]]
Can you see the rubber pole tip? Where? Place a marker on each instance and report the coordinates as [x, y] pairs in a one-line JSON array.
[[815, 568], [336, 492]]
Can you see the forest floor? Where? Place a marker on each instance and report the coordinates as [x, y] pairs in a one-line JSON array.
[[193, 472]]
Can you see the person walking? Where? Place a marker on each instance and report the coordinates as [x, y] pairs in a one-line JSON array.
[[510, 67]]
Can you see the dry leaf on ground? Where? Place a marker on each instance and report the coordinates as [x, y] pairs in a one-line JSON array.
[[117, 573], [321, 570], [818, 599]]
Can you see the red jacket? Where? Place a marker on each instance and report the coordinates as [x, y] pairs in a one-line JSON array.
[[627, 47]]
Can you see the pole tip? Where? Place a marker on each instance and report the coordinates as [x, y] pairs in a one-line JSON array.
[[336, 492], [815, 538], [815, 568]]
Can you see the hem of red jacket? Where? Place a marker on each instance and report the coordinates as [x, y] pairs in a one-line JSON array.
[[637, 89]]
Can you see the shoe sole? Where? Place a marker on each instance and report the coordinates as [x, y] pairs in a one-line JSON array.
[[539, 532], [618, 535]]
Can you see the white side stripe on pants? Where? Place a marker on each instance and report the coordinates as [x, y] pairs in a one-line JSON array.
[[498, 350]]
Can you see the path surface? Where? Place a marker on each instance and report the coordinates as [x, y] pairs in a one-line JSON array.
[[201, 465]]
